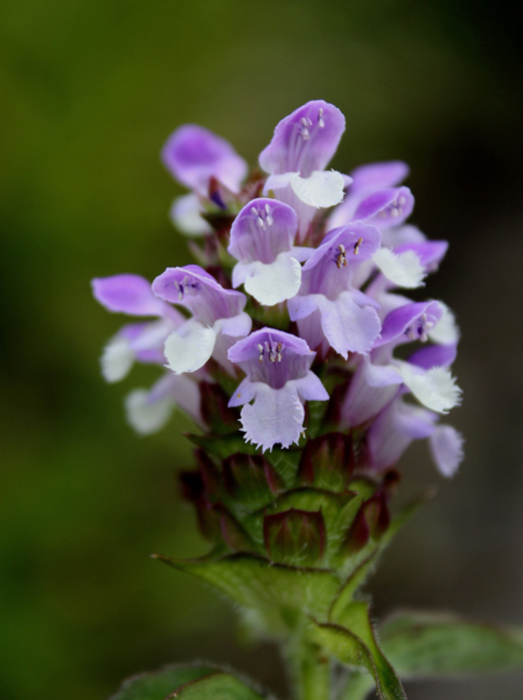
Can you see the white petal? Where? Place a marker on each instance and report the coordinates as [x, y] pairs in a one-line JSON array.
[[117, 359], [324, 188], [236, 326], [434, 388], [276, 416], [189, 348], [446, 445], [144, 416], [275, 282], [185, 215], [277, 182], [404, 269], [446, 331]]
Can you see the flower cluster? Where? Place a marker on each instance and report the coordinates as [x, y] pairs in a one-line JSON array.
[[323, 260]]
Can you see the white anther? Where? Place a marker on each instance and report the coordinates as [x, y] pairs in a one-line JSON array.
[[341, 258], [260, 349], [321, 122], [401, 201], [260, 222], [357, 245]]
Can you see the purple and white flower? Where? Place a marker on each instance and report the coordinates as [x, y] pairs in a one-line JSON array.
[[194, 156], [147, 409], [262, 238], [132, 295], [218, 319], [399, 424], [328, 307], [301, 148], [426, 375], [279, 380]]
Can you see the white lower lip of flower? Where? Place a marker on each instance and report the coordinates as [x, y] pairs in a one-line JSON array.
[[274, 282], [117, 359], [404, 269], [435, 388], [146, 417], [446, 331], [189, 348], [185, 215], [324, 188]]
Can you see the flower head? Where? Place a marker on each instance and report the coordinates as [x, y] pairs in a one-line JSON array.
[[323, 302]]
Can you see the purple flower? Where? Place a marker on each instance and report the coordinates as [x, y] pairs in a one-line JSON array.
[[328, 306], [401, 423], [425, 375], [279, 379], [194, 155], [217, 318], [366, 181], [296, 158], [262, 238], [132, 295], [147, 410]]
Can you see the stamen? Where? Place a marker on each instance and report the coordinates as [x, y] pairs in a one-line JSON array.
[[304, 130], [260, 349], [321, 122], [418, 330], [357, 245], [341, 258]]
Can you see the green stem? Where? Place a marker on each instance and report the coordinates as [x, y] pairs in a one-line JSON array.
[[309, 670], [358, 687]]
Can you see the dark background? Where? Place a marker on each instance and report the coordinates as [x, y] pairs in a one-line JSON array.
[[89, 91]]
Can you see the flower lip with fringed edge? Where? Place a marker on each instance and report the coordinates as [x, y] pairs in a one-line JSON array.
[[279, 380]]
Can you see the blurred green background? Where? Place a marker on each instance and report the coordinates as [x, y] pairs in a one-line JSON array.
[[89, 91]]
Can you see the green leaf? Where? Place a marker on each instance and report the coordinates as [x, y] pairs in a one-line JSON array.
[[282, 594], [219, 686], [159, 685], [356, 618], [286, 463], [425, 645], [353, 651]]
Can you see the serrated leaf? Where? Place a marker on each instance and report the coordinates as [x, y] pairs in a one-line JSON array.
[[352, 651], [219, 686], [160, 684], [282, 594], [428, 645]]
